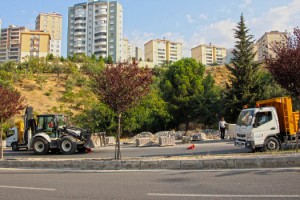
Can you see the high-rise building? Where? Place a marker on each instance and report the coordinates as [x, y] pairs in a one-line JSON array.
[[209, 54], [52, 23], [131, 51], [0, 27], [96, 27], [34, 44], [139, 54], [264, 44], [10, 48], [160, 51]]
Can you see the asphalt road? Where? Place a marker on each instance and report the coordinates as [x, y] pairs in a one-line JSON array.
[[208, 147], [152, 185]]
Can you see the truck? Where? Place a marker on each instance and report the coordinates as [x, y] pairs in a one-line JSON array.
[[48, 133], [268, 126]]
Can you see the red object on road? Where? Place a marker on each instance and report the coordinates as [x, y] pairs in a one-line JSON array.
[[191, 147], [89, 150]]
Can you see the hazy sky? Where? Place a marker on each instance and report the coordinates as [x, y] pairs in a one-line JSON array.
[[189, 21]]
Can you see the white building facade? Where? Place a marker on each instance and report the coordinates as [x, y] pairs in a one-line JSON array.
[[96, 27]]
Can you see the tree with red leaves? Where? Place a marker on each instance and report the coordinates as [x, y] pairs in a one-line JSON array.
[[11, 103], [120, 87], [284, 65]]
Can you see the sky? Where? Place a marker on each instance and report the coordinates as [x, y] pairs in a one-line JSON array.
[[192, 22]]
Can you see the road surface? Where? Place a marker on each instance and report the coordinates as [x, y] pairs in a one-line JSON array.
[[209, 147], [153, 185]]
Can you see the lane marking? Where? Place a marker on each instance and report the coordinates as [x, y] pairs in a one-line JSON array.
[[223, 195], [27, 188]]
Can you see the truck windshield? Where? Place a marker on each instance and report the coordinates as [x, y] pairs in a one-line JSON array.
[[245, 117]]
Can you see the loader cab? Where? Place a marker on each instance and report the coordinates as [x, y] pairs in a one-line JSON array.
[[50, 124]]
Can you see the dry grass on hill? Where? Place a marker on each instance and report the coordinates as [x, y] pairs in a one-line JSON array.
[[220, 73]]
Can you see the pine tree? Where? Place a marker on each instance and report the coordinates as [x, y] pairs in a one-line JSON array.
[[244, 80]]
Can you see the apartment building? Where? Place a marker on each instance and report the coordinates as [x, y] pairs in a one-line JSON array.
[[34, 44], [96, 27], [0, 27], [264, 44], [52, 23], [159, 51], [139, 54], [10, 47], [209, 54]]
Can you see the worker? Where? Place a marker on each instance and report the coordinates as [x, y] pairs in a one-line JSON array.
[[222, 124]]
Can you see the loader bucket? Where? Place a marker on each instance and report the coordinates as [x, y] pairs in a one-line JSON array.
[[96, 140]]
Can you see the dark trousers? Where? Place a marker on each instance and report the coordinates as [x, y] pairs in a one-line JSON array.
[[222, 133]]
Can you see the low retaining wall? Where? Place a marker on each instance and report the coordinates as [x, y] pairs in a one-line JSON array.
[[227, 163]]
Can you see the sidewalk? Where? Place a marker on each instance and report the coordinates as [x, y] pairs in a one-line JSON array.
[[238, 162]]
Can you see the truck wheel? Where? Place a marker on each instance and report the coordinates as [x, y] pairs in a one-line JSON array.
[[271, 144], [40, 146], [68, 145], [14, 146]]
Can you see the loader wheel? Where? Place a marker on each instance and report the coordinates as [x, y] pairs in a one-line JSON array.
[[14, 146], [40, 146], [271, 144], [68, 145]]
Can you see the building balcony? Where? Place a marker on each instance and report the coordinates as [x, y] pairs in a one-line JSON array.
[[79, 33]]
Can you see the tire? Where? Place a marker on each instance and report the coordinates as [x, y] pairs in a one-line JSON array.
[[81, 150], [68, 145], [55, 151], [271, 144], [14, 146], [40, 146]]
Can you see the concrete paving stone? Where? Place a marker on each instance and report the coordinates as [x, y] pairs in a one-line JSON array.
[[14, 164], [292, 161], [150, 164], [214, 164], [170, 164], [4, 164], [191, 164], [96, 165], [230, 163], [64, 164], [248, 163], [45, 164], [130, 164], [278, 162], [112, 165], [84, 164], [75, 164]]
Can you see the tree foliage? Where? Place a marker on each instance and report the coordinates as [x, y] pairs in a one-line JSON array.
[[244, 81], [285, 65], [181, 86], [11, 103], [121, 87]]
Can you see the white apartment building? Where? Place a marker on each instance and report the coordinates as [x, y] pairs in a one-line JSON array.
[[263, 45], [0, 27], [160, 51], [51, 23], [10, 45], [209, 54], [96, 27], [131, 51]]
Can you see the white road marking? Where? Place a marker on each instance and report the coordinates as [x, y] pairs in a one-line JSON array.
[[223, 195], [27, 188]]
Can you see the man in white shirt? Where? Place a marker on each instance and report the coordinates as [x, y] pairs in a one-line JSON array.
[[222, 124]]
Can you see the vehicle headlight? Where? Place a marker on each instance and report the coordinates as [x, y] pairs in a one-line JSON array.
[[250, 136]]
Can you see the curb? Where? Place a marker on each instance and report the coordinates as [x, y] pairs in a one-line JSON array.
[[205, 164]]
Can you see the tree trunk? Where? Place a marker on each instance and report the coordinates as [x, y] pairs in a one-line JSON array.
[[118, 149], [187, 124], [1, 133], [297, 133]]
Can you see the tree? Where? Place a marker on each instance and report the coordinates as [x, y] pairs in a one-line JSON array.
[[244, 79], [11, 103], [181, 86], [285, 65], [109, 60], [121, 87], [50, 57]]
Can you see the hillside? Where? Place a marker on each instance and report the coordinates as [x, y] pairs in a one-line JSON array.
[[50, 96]]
